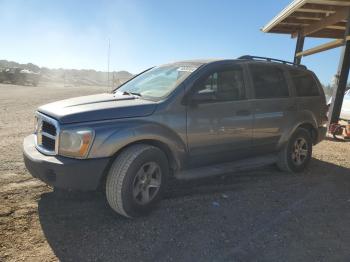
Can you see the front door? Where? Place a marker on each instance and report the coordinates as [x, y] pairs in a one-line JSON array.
[[219, 117]]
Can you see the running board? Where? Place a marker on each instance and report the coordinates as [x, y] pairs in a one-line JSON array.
[[225, 168]]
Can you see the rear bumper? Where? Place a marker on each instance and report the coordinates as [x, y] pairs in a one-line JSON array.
[[63, 172], [321, 134]]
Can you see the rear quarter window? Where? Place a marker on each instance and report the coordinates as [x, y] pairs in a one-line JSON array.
[[269, 81], [304, 83]]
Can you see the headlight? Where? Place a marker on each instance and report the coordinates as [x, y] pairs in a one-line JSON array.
[[75, 143]]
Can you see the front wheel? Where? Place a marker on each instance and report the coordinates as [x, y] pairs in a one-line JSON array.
[[296, 154], [136, 179]]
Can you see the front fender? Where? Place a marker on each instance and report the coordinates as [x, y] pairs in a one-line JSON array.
[[111, 138]]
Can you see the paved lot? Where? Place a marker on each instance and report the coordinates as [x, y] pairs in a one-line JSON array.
[[262, 215]]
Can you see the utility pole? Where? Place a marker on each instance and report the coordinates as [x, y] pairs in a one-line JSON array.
[[108, 58]]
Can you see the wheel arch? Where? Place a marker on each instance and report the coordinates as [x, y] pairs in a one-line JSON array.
[[308, 125], [174, 162], [311, 129]]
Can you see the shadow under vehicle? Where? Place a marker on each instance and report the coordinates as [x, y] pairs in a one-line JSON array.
[[266, 214]]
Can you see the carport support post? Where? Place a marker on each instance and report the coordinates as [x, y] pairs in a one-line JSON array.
[[342, 75], [299, 48]]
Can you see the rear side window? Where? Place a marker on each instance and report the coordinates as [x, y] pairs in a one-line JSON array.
[[269, 81], [305, 84]]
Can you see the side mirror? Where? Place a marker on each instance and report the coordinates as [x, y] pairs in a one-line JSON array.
[[203, 96]]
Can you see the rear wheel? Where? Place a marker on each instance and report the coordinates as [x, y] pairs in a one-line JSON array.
[[136, 180], [296, 154]]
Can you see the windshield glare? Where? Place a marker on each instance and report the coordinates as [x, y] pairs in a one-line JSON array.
[[157, 82]]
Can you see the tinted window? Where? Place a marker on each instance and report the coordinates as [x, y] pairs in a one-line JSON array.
[[225, 85], [269, 81], [305, 84]]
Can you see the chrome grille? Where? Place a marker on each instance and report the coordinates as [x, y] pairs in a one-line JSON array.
[[46, 134], [49, 128], [48, 143]]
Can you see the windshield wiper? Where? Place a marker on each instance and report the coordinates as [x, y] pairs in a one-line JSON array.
[[131, 93]]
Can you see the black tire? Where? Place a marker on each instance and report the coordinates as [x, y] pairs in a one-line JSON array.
[[120, 183], [286, 157]]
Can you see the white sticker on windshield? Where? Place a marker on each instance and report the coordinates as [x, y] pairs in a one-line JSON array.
[[186, 69]]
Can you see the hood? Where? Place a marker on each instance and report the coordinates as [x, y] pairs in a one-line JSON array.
[[98, 107]]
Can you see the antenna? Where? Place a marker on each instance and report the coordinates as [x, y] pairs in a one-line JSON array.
[[108, 59]]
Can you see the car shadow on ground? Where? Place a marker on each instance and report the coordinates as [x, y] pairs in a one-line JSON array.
[[337, 140], [263, 214]]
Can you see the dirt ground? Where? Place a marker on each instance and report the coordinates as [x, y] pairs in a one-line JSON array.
[[262, 215]]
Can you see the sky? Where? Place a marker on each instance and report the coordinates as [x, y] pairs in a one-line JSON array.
[[75, 34]]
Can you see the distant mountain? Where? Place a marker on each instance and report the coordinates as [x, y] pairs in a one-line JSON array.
[[72, 77]]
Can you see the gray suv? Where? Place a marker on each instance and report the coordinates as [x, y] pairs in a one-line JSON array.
[[188, 120]]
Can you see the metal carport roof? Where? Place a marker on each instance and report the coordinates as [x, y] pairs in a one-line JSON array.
[[322, 19], [307, 16]]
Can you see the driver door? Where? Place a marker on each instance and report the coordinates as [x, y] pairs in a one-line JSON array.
[[219, 117]]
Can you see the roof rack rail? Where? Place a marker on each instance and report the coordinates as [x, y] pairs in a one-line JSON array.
[[249, 57]]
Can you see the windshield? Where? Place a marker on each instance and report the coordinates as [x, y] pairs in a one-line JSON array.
[[157, 82]]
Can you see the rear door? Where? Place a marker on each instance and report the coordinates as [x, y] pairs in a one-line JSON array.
[[272, 104], [219, 129]]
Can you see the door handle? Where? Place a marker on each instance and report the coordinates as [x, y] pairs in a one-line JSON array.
[[243, 113]]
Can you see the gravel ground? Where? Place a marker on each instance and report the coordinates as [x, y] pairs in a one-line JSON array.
[[262, 215]]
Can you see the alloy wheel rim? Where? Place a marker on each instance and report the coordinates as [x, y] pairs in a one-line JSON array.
[[147, 183], [299, 151]]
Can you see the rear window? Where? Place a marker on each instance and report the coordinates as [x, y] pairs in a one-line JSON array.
[[269, 81], [304, 82]]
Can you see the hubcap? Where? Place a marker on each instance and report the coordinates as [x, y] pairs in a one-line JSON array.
[[299, 151], [147, 183]]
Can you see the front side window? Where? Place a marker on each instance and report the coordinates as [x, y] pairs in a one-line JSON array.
[[224, 85], [157, 82], [305, 84], [269, 82]]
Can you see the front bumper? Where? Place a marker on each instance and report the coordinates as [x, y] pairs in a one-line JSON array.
[[63, 172]]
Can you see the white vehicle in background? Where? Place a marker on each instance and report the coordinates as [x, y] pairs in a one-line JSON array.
[[345, 110]]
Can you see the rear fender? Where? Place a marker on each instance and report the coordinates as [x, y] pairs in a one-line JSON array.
[[302, 118]]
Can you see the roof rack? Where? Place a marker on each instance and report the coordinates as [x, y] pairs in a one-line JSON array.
[[249, 57]]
